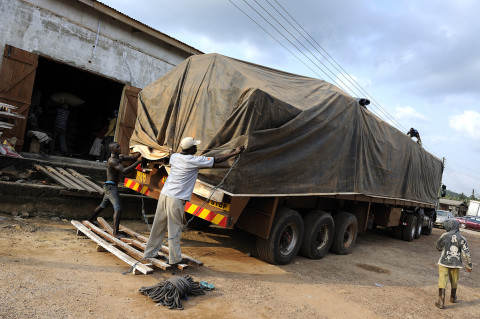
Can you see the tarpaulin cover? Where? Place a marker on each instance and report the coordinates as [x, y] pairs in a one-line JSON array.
[[303, 136]]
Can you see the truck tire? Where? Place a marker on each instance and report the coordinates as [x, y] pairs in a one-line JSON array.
[[196, 223], [427, 230], [419, 226], [318, 234], [408, 231], [346, 229], [285, 238]]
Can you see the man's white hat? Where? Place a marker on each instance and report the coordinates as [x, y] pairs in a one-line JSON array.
[[188, 142]]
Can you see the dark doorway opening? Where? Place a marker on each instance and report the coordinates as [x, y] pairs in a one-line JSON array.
[[85, 122]]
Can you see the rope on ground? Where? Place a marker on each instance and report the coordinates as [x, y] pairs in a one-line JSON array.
[[169, 292]]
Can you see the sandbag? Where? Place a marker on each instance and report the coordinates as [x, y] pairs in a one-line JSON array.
[[66, 98]]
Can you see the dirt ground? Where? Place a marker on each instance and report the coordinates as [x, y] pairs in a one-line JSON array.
[[49, 272]]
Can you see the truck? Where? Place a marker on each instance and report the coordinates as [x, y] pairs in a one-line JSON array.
[[318, 166]]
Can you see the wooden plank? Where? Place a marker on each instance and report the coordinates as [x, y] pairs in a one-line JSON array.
[[75, 180], [165, 249], [65, 180], [129, 250], [105, 225], [142, 246], [85, 180], [133, 234], [109, 247], [52, 176]]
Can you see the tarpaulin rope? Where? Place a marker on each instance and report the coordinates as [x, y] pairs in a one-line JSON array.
[[169, 292]]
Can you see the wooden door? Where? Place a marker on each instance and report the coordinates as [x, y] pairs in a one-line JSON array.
[[127, 116], [17, 77]]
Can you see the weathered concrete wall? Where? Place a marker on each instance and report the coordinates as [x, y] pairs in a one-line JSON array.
[[67, 31], [45, 200]]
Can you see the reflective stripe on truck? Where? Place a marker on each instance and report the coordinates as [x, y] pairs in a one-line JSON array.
[[214, 218]]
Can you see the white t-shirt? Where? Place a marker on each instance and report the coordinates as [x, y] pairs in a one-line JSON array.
[[183, 174]]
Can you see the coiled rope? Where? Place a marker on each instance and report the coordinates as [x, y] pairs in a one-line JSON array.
[[169, 292]]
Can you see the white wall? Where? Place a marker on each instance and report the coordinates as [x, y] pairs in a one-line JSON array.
[[66, 31]]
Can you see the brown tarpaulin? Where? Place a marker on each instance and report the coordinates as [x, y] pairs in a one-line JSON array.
[[302, 135]]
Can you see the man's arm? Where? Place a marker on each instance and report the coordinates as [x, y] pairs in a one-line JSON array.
[[223, 158], [129, 157], [119, 167], [440, 244]]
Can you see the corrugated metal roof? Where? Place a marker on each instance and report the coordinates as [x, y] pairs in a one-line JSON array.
[[105, 9]]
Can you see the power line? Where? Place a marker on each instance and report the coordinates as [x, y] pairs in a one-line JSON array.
[[344, 73], [274, 38], [276, 29]]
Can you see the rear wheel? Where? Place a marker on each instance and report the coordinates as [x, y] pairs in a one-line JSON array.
[[462, 225], [318, 234], [285, 238], [346, 228], [408, 231], [427, 230], [419, 226]]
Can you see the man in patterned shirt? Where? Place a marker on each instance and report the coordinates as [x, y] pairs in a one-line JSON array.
[[453, 245]]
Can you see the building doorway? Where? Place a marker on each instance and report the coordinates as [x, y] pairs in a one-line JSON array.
[[101, 97]]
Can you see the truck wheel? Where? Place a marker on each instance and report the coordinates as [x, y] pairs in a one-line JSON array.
[[285, 238], [419, 226], [427, 230], [408, 232], [196, 223], [318, 234], [346, 228]]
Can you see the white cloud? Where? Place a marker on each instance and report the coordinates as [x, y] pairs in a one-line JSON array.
[[408, 113], [467, 122]]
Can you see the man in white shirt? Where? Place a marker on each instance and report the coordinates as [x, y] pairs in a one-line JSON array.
[[175, 193]]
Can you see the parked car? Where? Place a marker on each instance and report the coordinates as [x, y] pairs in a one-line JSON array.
[[442, 216], [469, 222]]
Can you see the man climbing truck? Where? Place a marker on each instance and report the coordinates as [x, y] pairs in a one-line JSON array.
[[317, 166]]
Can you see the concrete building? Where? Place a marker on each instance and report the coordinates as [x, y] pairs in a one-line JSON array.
[[85, 48]]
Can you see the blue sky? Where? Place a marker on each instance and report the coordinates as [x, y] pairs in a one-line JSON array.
[[419, 60]]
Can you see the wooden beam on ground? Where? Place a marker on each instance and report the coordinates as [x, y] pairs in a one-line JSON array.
[[133, 234], [53, 176], [109, 247], [105, 225], [85, 180], [76, 180], [128, 249], [165, 249]]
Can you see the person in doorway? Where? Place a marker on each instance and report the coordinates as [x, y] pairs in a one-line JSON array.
[[60, 130], [453, 245], [108, 138], [175, 193], [414, 133], [114, 168]]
